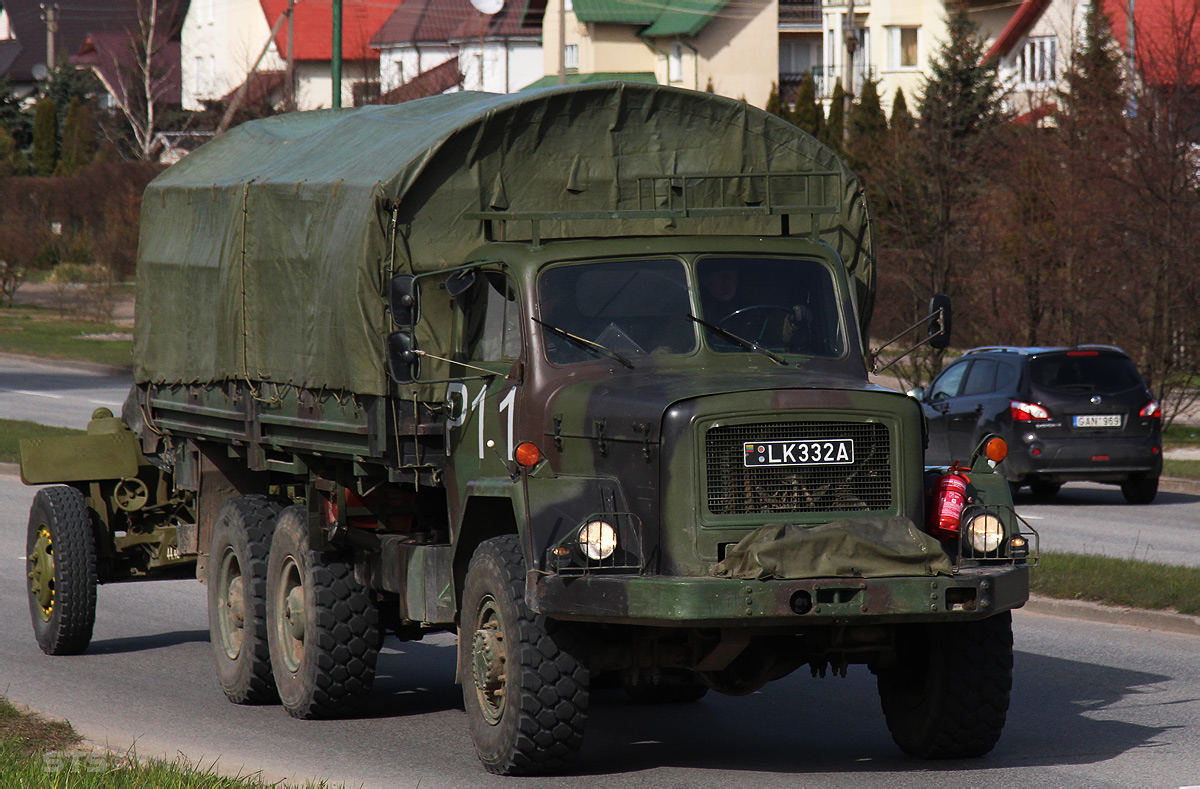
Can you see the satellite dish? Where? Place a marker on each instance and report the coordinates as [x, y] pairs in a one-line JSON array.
[[488, 7], [39, 71]]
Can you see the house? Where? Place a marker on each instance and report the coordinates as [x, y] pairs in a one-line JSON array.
[[223, 42], [431, 46], [35, 35], [800, 47], [688, 43], [113, 59]]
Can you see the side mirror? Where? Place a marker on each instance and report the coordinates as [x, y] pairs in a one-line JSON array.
[[404, 362], [460, 282], [939, 322], [402, 300]]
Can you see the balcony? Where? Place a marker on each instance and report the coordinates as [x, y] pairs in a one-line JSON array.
[[799, 13], [823, 79]]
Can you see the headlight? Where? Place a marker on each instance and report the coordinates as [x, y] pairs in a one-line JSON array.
[[598, 540], [986, 532]]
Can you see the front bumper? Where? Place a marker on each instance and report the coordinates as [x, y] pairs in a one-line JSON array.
[[667, 601]]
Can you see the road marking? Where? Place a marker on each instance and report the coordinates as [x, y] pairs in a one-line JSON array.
[[104, 402], [1033, 517], [33, 394]]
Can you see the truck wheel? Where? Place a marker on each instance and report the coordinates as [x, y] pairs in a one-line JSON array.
[[947, 695], [237, 609], [322, 625], [1140, 489], [60, 550], [526, 685]]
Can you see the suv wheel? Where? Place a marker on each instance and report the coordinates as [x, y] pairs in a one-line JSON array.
[[1140, 489], [1044, 490]]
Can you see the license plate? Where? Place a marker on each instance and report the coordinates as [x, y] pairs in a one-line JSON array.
[[829, 451], [1098, 420]]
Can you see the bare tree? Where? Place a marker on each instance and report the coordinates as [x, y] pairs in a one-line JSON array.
[[144, 81]]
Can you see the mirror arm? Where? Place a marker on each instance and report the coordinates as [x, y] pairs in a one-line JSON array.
[[874, 357]]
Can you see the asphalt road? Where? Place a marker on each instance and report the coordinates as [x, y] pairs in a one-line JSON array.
[[54, 394], [1092, 518], [1093, 705]]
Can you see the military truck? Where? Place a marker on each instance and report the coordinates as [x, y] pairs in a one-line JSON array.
[[579, 374]]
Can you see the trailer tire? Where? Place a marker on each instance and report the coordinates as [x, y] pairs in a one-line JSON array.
[[237, 594], [322, 625], [60, 551], [525, 683], [947, 695]]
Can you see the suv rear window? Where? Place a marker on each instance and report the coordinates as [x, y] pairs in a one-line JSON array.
[[1078, 373]]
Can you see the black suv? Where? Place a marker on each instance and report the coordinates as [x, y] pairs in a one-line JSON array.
[[1081, 413]]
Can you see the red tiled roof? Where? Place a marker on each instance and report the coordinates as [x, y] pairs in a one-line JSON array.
[[436, 80], [1033, 116], [1167, 38], [442, 21], [361, 20]]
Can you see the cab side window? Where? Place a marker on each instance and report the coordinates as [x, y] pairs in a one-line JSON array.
[[948, 384], [492, 320], [982, 378]]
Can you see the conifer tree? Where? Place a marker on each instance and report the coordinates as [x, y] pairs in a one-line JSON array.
[[902, 120], [78, 139], [868, 120], [45, 138], [835, 124], [961, 98], [10, 158], [709, 87], [808, 114], [775, 104]]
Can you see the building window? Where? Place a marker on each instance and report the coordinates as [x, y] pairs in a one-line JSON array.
[[675, 63], [902, 47], [1037, 63], [795, 57], [571, 56]]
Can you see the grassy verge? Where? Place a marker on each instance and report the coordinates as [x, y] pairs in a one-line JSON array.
[[1181, 436], [1119, 582], [34, 332], [1188, 469], [13, 430], [37, 752]]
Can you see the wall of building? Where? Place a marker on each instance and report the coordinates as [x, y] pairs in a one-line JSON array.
[[397, 65], [219, 41]]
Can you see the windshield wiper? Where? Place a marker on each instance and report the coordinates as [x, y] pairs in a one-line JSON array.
[[744, 344], [592, 347]]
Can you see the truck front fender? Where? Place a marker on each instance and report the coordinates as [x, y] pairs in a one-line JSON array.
[[109, 450]]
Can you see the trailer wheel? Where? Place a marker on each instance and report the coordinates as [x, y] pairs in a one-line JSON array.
[[947, 696], [322, 625], [525, 687], [237, 588], [60, 551]]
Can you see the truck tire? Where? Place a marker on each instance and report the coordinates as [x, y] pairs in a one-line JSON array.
[[1140, 489], [525, 684], [322, 625], [237, 590], [60, 551], [947, 695]]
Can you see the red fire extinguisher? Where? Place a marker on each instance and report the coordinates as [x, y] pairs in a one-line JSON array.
[[949, 498]]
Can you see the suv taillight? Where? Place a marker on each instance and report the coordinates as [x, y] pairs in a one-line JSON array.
[[1151, 409], [1027, 412]]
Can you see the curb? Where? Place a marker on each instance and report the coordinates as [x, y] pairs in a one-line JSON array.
[[1179, 485], [1142, 619]]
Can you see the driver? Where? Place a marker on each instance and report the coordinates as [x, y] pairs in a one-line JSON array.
[[724, 304]]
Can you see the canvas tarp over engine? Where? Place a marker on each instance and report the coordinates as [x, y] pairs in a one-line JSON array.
[[265, 254]]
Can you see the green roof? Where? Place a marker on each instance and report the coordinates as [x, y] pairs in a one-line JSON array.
[[664, 17], [550, 80]]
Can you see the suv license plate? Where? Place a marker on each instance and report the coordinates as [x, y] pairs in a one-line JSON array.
[[830, 451], [1098, 420]]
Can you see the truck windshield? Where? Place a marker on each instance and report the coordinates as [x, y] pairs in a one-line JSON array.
[[784, 305], [635, 308]]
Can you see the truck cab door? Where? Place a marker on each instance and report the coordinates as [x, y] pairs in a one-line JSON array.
[[483, 409]]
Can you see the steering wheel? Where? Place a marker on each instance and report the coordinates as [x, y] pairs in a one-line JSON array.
[[746, 316]]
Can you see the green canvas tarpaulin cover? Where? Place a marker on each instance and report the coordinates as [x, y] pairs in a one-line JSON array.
[[265, 254], [852, 548]]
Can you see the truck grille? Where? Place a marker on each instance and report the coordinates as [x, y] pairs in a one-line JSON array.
[[734, 489]]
